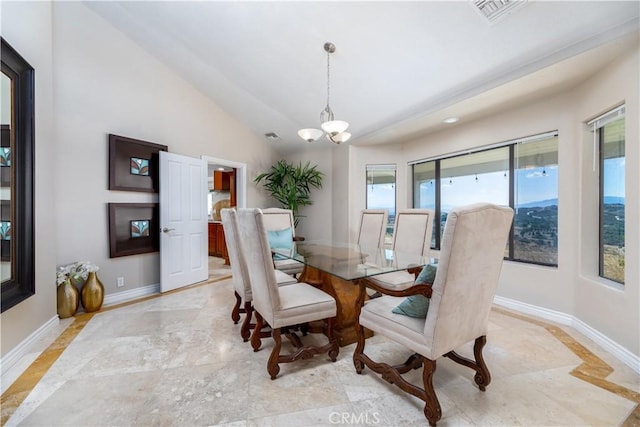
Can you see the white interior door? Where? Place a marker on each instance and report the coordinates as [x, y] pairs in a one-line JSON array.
[[183, 221]]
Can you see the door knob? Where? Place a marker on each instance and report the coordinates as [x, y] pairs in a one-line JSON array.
[[166, 230]]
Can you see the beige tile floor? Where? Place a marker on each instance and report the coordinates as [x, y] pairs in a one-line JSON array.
[[178, 359]]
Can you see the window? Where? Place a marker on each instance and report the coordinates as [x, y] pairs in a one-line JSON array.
[[473, 178], [535, 224], [609, 133], [522, 174], [381, 191], [425, 193]]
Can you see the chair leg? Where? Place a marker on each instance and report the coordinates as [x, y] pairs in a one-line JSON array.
[[245, 330], [358, 353], [255, 336], [235, 313], [432, 409], [272, 365], [483, 376], [335, 348]]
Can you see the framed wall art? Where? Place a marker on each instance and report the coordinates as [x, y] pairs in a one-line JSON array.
[[133, 229], [133, 164]]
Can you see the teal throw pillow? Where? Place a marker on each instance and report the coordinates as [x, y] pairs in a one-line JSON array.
[[428, 274], [413, 306], [280, 239], [418, 305]]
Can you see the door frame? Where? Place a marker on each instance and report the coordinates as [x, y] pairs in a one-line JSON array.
[[241, 177]]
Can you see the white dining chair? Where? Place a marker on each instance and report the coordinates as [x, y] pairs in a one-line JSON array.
[[373, 227], [455, 308], [280, 222], [411, 235], [283, 308], [240, 274]]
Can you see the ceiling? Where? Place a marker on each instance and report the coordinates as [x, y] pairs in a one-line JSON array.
[[399, 68]]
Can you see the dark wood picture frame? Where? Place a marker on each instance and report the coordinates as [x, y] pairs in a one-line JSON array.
[[22, 283], [120, 241], [121, 151]]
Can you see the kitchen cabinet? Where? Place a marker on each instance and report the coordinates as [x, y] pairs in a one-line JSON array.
[[217, 244], [221, 181]]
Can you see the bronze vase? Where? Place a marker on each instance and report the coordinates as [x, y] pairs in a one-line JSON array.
[[92, 293], [68, 299]]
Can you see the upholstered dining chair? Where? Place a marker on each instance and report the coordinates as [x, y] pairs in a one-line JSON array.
[[457, 304], [240, 274], [280, 226], [411, 235], [373, 227], [283, 308]]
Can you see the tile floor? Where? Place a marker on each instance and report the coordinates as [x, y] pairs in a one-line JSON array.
[[178, 359]]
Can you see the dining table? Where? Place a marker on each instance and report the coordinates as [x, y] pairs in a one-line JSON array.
[[340, 269]]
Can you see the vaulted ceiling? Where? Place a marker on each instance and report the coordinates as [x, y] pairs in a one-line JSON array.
[[400, 68]]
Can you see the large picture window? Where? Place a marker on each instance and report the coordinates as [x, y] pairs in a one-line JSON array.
[[522, 174], [381, 191], [610, 140]]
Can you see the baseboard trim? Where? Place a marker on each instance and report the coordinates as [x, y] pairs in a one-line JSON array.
[[131, 294], [534, 310], [8, 360], [621, 353]]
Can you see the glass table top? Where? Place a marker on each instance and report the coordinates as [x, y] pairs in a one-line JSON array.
[[350, 261]]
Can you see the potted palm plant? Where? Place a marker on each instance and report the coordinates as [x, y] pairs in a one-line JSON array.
[[291, 185]]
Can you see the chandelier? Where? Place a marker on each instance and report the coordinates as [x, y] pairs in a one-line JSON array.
[[335, 129]]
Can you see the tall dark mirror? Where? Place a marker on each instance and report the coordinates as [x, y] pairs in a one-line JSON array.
[[17, 261]]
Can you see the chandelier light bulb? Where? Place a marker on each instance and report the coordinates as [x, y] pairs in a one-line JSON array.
[[310, 134], [334, 127], [339, 137]]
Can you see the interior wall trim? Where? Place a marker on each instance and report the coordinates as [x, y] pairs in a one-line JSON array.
[[131, 294], [18, 352], [620, 352]]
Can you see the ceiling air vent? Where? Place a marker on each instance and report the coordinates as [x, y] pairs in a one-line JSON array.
[[272, 136], [495, 10]]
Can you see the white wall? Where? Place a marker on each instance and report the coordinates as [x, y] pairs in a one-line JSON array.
[[107, 84], [27, 28], [316, 224], [92, 81], [375, 155], [574, 287], [605, 306]]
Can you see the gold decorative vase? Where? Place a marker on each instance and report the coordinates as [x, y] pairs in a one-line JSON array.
[[68, 299], [92, 293]]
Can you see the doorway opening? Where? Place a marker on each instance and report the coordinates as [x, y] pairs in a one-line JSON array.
[[226, 187]]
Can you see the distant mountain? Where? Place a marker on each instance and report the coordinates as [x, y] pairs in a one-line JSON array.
[[539, 204], [609, 200]]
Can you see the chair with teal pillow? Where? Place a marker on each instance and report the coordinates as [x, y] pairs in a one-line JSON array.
[[240, 274], [412, 236], [283, 308], [459, 303], [280, 226]]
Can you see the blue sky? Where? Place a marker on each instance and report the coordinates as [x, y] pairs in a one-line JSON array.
[[534, 185], [614, 177]]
